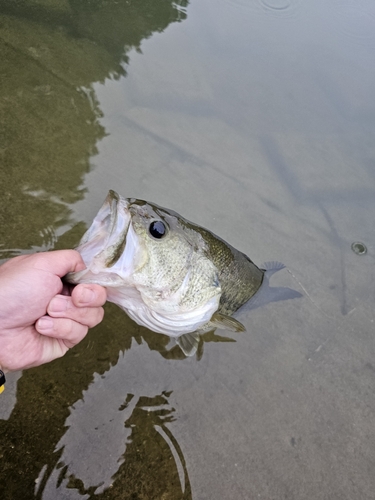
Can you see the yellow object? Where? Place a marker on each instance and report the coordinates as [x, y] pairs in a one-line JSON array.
[[2, 381]]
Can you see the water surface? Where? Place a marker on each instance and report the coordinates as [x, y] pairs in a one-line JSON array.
[[255, 119]]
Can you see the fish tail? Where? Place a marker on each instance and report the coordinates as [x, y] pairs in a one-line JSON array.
[[272, 267]]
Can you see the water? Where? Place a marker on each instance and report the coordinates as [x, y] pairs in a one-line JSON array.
[[256, 120]]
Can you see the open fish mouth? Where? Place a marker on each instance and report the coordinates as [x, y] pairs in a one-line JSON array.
[[104, 242]]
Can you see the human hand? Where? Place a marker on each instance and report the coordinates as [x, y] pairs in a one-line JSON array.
[[41, 317]]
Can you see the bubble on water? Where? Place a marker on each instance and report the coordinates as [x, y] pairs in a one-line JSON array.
[[359, 248]]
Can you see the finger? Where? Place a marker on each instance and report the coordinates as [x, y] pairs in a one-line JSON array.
[[89, 295], [68, 331], [59, 262], [62, 306]]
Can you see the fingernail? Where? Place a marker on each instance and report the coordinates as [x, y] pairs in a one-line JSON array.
[[87, 296], [58, 304], [45, 324]]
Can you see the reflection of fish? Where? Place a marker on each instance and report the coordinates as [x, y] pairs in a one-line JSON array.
[[168, 274]]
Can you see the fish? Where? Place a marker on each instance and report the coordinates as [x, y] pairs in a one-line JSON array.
[[168, 274]]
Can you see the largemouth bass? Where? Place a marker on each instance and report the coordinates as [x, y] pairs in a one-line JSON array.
[[168, 274]]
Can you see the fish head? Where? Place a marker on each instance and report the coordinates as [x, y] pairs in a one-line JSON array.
[[153, 264]]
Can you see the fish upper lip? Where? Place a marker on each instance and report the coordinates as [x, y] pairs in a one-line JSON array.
[[116, 240], [117, 229], [106, 236]]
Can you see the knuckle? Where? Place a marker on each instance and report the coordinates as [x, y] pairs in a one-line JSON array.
[[66, 327], [95, 316], [73, 333]]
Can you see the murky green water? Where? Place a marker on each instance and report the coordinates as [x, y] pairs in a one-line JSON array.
[[255, 119]]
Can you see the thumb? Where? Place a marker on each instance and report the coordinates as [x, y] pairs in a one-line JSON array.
[[59, 262]]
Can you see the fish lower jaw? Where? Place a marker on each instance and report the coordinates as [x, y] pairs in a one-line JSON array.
[[173, 331], [171, 323]]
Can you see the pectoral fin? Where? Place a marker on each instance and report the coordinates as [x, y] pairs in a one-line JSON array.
[[219, 320], [188, 343]]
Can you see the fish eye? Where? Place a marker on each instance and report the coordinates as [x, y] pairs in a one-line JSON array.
[[157, 229]]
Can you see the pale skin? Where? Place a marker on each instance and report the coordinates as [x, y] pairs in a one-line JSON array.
[[40, 317]]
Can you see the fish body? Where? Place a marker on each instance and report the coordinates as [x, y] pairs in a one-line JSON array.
[[169, 275]]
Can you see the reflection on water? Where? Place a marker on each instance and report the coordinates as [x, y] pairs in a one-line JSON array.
[[134, 442], [51, 54], [83, 430]]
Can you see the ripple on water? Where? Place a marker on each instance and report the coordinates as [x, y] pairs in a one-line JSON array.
[[279, 8], [277, 4], [356, 21]]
